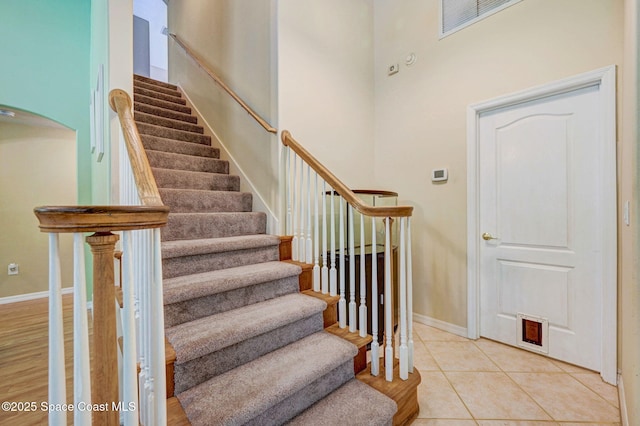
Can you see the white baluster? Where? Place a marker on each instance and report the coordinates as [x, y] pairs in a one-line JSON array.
[[287, 173], [375, 346], [324, 272], [388, 303], [57, 373], [316, 251], [409, 296], [404, 353], [363, 282], [309, 249], [81, 365], [301, 237], [294, 201], [342, 303], [160, 389], [130, 369], [352, 274], [333, 277]]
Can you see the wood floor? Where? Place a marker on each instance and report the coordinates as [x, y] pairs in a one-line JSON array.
[[24, 358]]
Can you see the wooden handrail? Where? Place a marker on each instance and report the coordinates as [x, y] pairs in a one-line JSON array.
[[120, 102], [341, 188], [226, 88]]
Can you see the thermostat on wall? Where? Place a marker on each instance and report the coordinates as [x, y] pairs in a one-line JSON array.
[[439, 175]]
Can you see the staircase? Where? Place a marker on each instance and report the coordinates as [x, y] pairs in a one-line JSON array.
[[250, 348]]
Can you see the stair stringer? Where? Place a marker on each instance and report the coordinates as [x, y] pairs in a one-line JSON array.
[[274, 225]]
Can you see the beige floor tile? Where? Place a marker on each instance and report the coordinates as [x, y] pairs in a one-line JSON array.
[[490, 395], [460, 356], [438, 400], [588, 424], [443, 422], [422, 359], [516, 423], [594, 382], [566, 399], [430, 334], [513, 359], [570, 368]]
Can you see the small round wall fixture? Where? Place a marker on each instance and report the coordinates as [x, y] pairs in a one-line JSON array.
[[410, 59]]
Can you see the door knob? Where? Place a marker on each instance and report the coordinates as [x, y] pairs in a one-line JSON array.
[[487, 236]]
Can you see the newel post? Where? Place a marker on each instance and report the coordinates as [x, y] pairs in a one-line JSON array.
[[105, 376]]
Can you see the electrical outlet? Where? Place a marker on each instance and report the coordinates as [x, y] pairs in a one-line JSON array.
[[13, 269], [393, 69]]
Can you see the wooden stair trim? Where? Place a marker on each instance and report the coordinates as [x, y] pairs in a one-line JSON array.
[[360, 360], [330, 314], [306, 277], [175, 413], [403, 392], [285, 247]]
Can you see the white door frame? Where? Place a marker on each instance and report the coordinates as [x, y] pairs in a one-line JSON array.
[[606, 79]]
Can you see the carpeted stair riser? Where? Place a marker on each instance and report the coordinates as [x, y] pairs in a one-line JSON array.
[[298, 402], [167, 160], [181, 135], [166, 113], [369, 408], [180, 179], [288, 378], [199, 370], [190, 310], [137, 98], [137, 77], [190, 200], [154, 87], [182, 226], [285, 319], [195, 264], [158, 95], [141, 117], [155, 143]]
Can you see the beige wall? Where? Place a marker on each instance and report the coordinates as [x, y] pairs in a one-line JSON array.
[[421, 111], [236, 40], [325, 83], [629, 300], [37, 167]]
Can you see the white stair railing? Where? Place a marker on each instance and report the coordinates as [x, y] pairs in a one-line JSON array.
[[353, 286]]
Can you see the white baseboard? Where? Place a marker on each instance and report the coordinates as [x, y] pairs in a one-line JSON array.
[[31, 296], [259, 204], [624, 416], [441, 325]]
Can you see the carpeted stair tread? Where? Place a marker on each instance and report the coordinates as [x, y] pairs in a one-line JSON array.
[[180, 248], [183, 226], [156, 143], [353, 404], [188, 287], [197, 200], [166, 132], [148, 80], [168, 160], [138, 98], [154, 87], [244, 393], [157, 95], [171, 178], [141, 117], [162, 112], [210, 334]]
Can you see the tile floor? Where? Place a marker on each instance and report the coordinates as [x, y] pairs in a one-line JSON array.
[[484, 383]]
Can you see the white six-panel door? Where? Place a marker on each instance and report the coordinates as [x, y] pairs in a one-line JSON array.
[[543, 207]]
